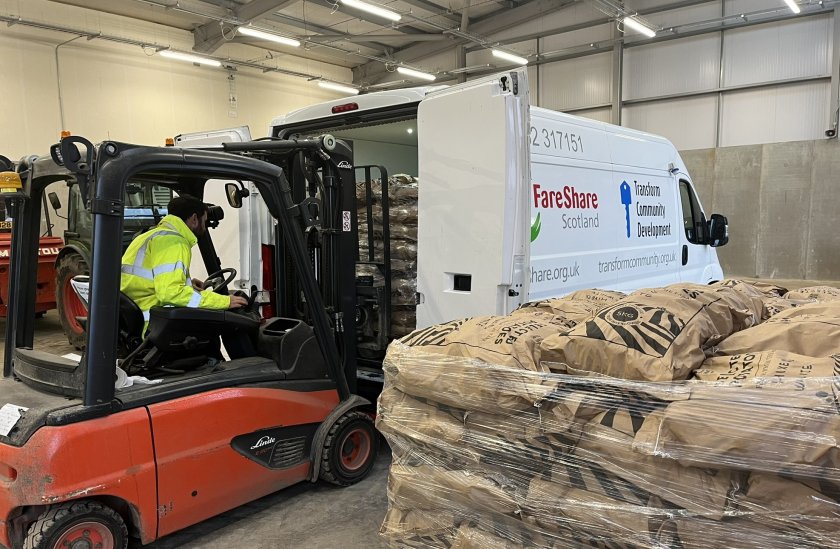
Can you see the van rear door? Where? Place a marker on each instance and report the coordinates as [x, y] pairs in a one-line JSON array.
[[473, 188]]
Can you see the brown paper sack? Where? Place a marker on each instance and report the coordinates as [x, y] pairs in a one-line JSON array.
[[490, 533], [504, 340], [737, 533], [576, 307], [807, 382], [775, 305], [401, 522], [779, 502], [559, 508], [706, 432], [701, 491], [400, 414], [819, 293], [464, 383], [432, 487], [765, 288], [654, 336], [810, 330]]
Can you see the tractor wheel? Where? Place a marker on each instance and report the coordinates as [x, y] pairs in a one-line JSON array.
[[350, 449], [78, 525], [68, 303]]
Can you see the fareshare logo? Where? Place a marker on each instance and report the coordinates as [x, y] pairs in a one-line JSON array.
[[626, 200], [535, 227]]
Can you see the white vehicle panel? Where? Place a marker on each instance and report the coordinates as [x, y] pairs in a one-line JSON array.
[[472, 217], [238, 237]]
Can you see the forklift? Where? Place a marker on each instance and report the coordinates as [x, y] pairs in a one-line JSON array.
[[85, 465]]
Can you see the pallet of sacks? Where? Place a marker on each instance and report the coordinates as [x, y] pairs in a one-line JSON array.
[[602, 420], [402, 212]]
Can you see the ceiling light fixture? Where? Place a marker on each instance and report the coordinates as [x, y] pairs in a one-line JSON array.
[[338, 87], [248, 31], [190, 58], [416, 74], [510, 57], [792, 5], [370, 8], [410, 130], [638, 27]]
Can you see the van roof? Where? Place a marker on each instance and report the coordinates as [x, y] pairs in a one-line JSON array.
[[366, 102]]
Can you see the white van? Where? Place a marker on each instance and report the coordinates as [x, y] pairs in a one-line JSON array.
[[521, 203]]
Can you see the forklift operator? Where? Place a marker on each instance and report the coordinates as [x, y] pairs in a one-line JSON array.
[[155, 267]]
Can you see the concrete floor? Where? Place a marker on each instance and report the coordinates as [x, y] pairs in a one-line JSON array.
[[313, 515]]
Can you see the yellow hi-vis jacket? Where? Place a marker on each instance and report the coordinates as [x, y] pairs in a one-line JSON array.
[[155, 270]]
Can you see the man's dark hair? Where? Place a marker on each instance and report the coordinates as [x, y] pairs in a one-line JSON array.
[[185, 205]]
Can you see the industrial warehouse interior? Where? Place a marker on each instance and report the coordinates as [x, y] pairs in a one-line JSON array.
[[458, 274]]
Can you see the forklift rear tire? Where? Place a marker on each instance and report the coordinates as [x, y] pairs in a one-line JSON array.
[[78, 523], [68, 303], [350, 449]]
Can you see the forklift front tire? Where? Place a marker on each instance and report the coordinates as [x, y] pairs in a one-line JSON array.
[[350, 449], [67, 524]]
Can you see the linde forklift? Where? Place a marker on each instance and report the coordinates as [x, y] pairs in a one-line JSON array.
[[85, 465]]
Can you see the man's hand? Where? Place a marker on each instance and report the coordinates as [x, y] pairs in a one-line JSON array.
[[237, 302], [197, 284]]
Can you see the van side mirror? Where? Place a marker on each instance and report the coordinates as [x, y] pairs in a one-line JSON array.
[[54, 201], [718, 231]]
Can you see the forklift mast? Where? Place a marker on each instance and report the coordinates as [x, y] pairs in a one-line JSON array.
[[322, 182]]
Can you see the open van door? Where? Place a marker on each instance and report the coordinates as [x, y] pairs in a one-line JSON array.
[[473, 218], [238, 245]]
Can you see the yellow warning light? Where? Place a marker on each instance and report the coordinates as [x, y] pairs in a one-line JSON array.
[[10, 182], [65, 133], [170, 142]]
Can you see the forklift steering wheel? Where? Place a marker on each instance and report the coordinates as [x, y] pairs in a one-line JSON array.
[[218, 280]]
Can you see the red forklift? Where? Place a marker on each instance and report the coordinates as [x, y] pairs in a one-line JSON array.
[[84, 465]]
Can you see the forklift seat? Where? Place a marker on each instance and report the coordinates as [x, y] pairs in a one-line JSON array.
[[130, 323]]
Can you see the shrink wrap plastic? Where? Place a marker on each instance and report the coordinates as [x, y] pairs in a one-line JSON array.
[[402, 211], [506, 434]]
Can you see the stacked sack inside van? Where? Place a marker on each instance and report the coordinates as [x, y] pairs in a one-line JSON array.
[[613, 421], [402, 213]]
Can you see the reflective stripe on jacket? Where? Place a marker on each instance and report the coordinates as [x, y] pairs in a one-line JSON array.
[[155, 269]]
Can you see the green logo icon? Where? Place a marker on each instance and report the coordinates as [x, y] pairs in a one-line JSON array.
[[535, 228]]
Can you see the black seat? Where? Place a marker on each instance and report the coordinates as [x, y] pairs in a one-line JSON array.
[[131, 323], [177, 329]]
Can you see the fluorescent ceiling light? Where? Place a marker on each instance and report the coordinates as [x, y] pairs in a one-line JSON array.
[[190, 58], [248, 31], [370, 8], [416, 74], [792, 5], [338, 87], [638, 27], [510, 57]]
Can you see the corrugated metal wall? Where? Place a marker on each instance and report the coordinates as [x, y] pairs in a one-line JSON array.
[[768, 59]]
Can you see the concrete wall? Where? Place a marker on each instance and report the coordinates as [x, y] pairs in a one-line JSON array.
[[781, 200]]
